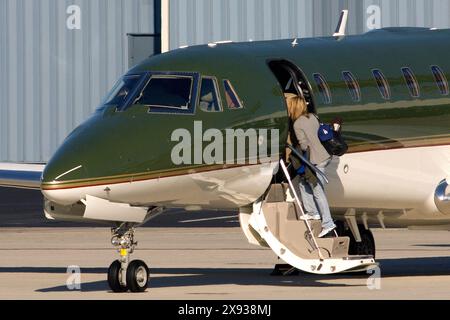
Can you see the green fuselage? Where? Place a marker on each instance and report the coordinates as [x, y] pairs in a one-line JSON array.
[[115, 146]]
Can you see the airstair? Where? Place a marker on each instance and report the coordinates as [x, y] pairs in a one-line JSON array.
[[276, 222]]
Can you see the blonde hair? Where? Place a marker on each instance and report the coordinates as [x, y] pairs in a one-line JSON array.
[[296, 106]]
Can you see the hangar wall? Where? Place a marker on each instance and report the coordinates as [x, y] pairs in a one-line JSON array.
[[52, 77], [203, 21], [52, 73]]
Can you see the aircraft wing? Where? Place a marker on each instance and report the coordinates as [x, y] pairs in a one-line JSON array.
[[21, 175]]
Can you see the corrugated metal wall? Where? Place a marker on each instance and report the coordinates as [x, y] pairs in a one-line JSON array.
[[203, 21], [51, 78]]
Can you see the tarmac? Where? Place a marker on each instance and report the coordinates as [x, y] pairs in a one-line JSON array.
[[200, 256]]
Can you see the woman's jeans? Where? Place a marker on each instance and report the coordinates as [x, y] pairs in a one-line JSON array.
[[314, 198]]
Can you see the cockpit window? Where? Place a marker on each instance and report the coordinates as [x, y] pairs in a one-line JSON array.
[[167, 94], [122, 90], [232, 98], [209, 96]]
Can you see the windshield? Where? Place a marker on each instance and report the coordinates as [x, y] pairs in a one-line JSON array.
[[121, 91], [167, 92]]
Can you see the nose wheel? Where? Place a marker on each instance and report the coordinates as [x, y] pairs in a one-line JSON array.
[[137, 276], [114, 277], [124, 275]]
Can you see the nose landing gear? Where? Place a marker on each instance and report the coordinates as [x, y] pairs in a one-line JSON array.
[[124, 275]]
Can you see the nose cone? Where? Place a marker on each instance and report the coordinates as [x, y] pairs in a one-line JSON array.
[[107, 149], [88, 155], [67, 167]]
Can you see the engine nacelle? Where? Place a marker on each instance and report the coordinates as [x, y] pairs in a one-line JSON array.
[[442, 197]]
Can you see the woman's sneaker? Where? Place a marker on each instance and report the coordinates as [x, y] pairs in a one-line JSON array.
[[326, 231], [310, 217]]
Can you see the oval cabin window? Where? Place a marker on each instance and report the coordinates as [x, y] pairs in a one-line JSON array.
[[411, 82], [324, 89], [352, 85], [441, 80], [382, 83]]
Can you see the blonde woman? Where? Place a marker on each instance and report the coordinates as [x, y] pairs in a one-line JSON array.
[[306, 127]]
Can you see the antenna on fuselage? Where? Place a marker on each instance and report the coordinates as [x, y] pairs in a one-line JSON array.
[[342, 25]]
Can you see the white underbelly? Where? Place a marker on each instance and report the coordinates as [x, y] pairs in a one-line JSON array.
[[220, 189], [403, 179]]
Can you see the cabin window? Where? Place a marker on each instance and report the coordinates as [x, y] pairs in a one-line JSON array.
[[382, 83], [209, 100], [167, 94], [352, 85], [441, 80], [232, 98], [411, 82], [324, 89], [122, 90]]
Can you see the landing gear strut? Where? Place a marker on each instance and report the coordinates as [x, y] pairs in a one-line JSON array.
[[124, 275]]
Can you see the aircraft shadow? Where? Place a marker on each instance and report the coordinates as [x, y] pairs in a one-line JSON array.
[[185, 277], [442, 245], [415, 267], [198, 277], [50, 270]]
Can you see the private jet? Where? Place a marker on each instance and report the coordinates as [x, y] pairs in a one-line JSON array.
[[388, 85]]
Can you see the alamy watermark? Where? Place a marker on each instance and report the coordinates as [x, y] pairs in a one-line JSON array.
[[374, 280], [73, 21], [228, 146], [73, 281], [373, 17]]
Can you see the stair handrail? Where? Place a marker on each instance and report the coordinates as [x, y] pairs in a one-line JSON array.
[[299, 204], [308, 163]]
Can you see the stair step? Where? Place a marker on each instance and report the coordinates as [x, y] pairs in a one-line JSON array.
[[277, 193], [358, 257], [337, 247]]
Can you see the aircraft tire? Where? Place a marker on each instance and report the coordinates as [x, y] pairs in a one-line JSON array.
[[364, 248], [137, 276], [114, 277]]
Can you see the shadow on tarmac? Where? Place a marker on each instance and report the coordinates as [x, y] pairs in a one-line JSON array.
[[185, 277], [197, 277]]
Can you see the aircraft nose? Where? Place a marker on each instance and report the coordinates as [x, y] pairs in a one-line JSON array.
[[58, 175], [59, 190], [65, 167]]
